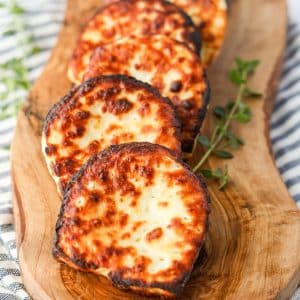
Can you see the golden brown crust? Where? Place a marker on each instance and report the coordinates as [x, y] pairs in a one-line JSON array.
[[210, 17], [164, 63], [103, 111], [107, 184], [131, 17]]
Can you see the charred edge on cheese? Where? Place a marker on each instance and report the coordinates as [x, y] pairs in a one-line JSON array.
[[174, 288], [228, 4], [187, 147], [194, 37], [88, 85]]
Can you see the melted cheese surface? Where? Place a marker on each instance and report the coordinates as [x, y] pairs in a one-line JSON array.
[[164, 63], [102, 112], [131, 17], [134, 214], [210, 16]]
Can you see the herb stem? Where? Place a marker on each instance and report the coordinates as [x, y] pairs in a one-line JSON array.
[[214, 134], [217, 137]]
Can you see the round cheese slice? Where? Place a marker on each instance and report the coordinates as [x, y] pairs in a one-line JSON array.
[[131, 17], [210, 16], [166, 64], [101, 112], [135, 214]]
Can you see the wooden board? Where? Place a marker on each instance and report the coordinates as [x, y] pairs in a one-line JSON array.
[[253, 244]]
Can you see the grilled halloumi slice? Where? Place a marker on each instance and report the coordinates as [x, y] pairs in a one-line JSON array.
[[101, 112], [131, 17], [166, 64], [210, 16], [135, 214]]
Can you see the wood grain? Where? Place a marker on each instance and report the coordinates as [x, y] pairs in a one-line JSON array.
[[253, 242]]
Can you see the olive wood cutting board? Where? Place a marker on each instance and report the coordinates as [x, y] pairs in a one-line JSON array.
[[253, 242]]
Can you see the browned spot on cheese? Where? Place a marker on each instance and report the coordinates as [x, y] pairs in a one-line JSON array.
[[210, 17], [176, 86], [123, 219], [126, 235], [120, 106], [113, 127], [145, 172], [80, 131], [94, 197], [50, 149], [155, 234], [154, 59], [104, 234], [93, 147], [137, 225], [144, 109], [147, 128], [133, 203], [187, 104], [81, 115], [64, 166], [102, 175], [78, 127], [131, 17]]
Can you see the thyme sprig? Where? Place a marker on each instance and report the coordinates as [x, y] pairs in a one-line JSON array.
[[222, 138], [14, 73]]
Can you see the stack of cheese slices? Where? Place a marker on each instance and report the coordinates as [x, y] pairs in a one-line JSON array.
[[132, 210]]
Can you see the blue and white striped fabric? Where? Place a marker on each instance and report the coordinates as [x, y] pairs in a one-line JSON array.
[[285, 122], [43, 18]]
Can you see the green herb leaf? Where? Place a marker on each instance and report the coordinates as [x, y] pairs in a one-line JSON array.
[[242, 118], [35, 50], [236, 77], [16, 9], [251, 93], [221, 175], [223, 180], [230, 105], [10, 83], [207, 173], [240, 63], [219, 112], [234, 141], [245, 66], [223, 154], [28, 39], [244, 114], [15, 73], [204, 141], [218, 173], [4, 95], [23, 84], [6, 147], [9, 32], [252, 65]]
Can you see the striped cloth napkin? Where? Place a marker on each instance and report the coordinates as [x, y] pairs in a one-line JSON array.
[[43, 19]]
